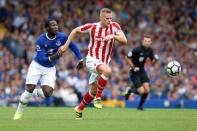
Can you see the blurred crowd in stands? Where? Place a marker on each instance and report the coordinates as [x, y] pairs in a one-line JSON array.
[[172, 24]]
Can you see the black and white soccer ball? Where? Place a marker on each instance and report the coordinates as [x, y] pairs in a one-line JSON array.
[[173, 68]]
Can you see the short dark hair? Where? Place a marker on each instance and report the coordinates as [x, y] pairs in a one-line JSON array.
[[47, 22]]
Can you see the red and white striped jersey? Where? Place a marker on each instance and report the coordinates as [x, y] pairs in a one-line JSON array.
[[98, 48]]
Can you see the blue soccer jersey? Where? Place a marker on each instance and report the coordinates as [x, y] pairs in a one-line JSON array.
[[46, 47]]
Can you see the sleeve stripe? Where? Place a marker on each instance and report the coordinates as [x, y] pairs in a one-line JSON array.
[[116, 26], [86, 27]]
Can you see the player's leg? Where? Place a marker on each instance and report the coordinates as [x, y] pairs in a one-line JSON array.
[[137, 86], [47, 83], [105, 72], [88, 97], [102, 73], [135, 90], [25, 97], [144, 96], [32, 78], [47, 91], [146, 86]]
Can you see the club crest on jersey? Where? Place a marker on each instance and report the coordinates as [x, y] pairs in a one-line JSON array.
[[58, 43]]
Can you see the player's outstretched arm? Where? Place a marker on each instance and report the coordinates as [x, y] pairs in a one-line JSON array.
[[120, 37], [72, 35]]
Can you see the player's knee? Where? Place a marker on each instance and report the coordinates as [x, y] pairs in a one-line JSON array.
[[147, 88], [141, 90], [107, 72], [30, 88], [48, 91]]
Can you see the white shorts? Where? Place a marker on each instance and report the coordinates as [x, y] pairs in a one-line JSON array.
[[46, 75], [92, 64]]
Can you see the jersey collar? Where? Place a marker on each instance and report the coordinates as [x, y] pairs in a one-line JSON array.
[[50, 38]]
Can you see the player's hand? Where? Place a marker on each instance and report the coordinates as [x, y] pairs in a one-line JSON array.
[[136, 69], [55, 56], [80, 64], [108, 37], [62, 49]]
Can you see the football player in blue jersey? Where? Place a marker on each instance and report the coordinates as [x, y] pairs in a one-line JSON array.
[[42, 67]]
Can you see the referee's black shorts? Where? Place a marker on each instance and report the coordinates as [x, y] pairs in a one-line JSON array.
[[138, 78]]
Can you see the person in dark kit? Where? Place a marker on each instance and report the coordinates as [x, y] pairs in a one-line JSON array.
[[136, 59]]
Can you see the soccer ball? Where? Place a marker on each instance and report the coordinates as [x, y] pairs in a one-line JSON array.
[[173, 68]]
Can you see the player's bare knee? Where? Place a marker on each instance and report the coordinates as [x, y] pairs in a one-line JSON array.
[[147, 88], [47, 90], [107, 72], [141, 90], [47, 93], [30, 88]]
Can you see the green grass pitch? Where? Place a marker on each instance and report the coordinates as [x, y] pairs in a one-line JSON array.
[[107, 119]]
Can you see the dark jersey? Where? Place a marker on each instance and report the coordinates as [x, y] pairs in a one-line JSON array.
[[139, 55]]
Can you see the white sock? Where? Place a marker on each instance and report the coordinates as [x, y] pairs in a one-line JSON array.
[[25, 97], [38, 93]]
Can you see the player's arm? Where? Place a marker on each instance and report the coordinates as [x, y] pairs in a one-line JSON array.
[[77, 53], [55, 56], [128, 59], [154, 58], [129, 62], [72, 35], [120, 37], [81, 29], [75, 50]]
